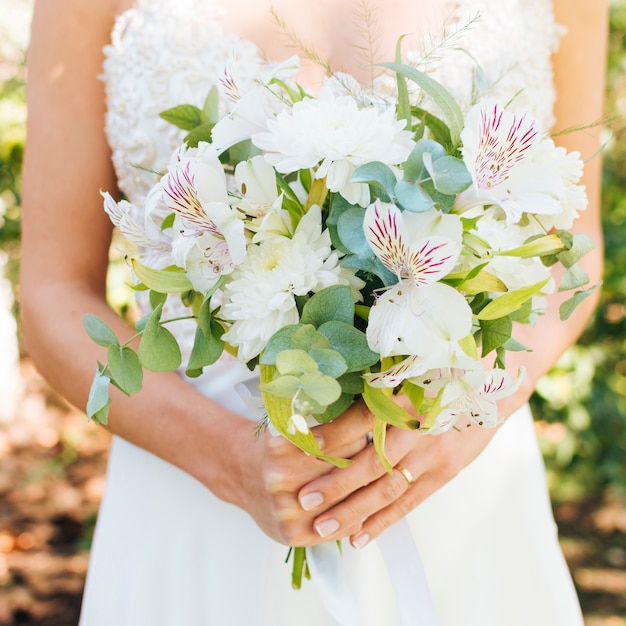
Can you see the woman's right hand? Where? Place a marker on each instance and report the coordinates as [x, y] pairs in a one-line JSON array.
[[271, 472]]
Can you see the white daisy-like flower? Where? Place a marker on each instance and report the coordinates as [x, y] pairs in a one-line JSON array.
[[261, 295], [333, 132], [514, 166]]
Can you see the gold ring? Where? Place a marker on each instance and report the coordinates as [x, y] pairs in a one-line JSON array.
[[405, 472]]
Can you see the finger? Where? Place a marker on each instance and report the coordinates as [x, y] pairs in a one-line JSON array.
[[347, 517], [366, 468], [378, 522], [350, 429]]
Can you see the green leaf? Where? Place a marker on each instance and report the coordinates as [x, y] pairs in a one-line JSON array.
[[495, 333], [476, 283], [157, 298], [282, 386], [507, 303], [379, 176], [295, 362], [450, 176], [350, 232], [279, 341], [279, 412], [336, 408], [99, 331], [307, 338], [169, 280], [351, 343], [379, 433], [210, 109], [99, 399], [547, 244], [573, 278], [439, 130], [323, 389], [329, 362], [569, 306], [415, 393], [125, 368], [158, 348], [412, 197], [442, 98], [185, 116], [168, 221], [387, 410], [581, 245], [351, 383], [206, 350], [404, 103], [203, 132], [414, 167], [332, 303]]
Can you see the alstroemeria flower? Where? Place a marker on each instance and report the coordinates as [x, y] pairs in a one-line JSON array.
[[417, 313], [195, 189], [252, 109], [141, 226], [334, 133], [256, 181], [501, 151], [475, 394]]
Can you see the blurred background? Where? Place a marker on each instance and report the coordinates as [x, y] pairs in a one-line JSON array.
[[52, 462]]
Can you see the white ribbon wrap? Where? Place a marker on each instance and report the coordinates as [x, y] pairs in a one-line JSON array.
[[329, 572]]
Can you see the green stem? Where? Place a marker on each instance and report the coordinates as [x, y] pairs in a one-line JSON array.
[[299, 565]]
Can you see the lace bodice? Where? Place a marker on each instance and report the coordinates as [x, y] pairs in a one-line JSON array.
[[167, 52]]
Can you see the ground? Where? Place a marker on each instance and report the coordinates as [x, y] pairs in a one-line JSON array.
[[52, 465]]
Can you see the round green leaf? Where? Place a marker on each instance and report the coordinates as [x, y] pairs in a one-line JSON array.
[[99, 331]]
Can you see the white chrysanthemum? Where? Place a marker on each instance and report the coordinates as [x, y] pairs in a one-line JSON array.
[[260, 298], [335, 133]]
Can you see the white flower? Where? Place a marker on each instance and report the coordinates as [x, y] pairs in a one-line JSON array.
[[261, 295], [253, 109], [512, 164], [195, 189], [256, 182], [417, 312], [142, 226], [335, 133]]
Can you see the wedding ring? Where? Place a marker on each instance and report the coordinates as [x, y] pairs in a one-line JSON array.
[[405, 472], [369, 438]]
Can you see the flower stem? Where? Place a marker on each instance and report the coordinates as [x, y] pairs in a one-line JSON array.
[[299, 565]]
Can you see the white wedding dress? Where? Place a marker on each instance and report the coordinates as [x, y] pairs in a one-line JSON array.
[[166, 551]]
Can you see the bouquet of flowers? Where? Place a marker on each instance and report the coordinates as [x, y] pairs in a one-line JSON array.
[[350, 245]]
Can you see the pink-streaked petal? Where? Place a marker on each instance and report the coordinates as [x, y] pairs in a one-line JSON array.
[[413, 365], [502, 141], [181, 196], [383, 229], [431, 259]]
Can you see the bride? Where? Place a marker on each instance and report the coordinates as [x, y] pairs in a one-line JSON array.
[[198, 511]]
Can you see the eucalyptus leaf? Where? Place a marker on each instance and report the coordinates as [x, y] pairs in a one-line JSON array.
[[307, 338], [569, 306], [351, 343], [295, 362], [280, 340], [351, 234], [450, 175], [99, 331], [324, 389], [125, 368], [332, 303], [158, 348], [573, 278], [282, 387], [351, 383], [371, 265], [379, 176], [581, 245], [412, 197], [336, 408], [99, 399], [329, 362]]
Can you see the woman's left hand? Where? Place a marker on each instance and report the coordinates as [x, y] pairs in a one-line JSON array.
[[365, 499]]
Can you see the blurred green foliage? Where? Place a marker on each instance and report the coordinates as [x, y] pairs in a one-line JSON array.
[[582, 403]]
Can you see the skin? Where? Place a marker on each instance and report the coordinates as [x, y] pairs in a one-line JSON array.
[[65, 256]]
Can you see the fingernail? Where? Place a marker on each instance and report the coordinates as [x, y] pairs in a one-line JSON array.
[[320, 442], [360, 541], [327, 527], [311, 500]]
